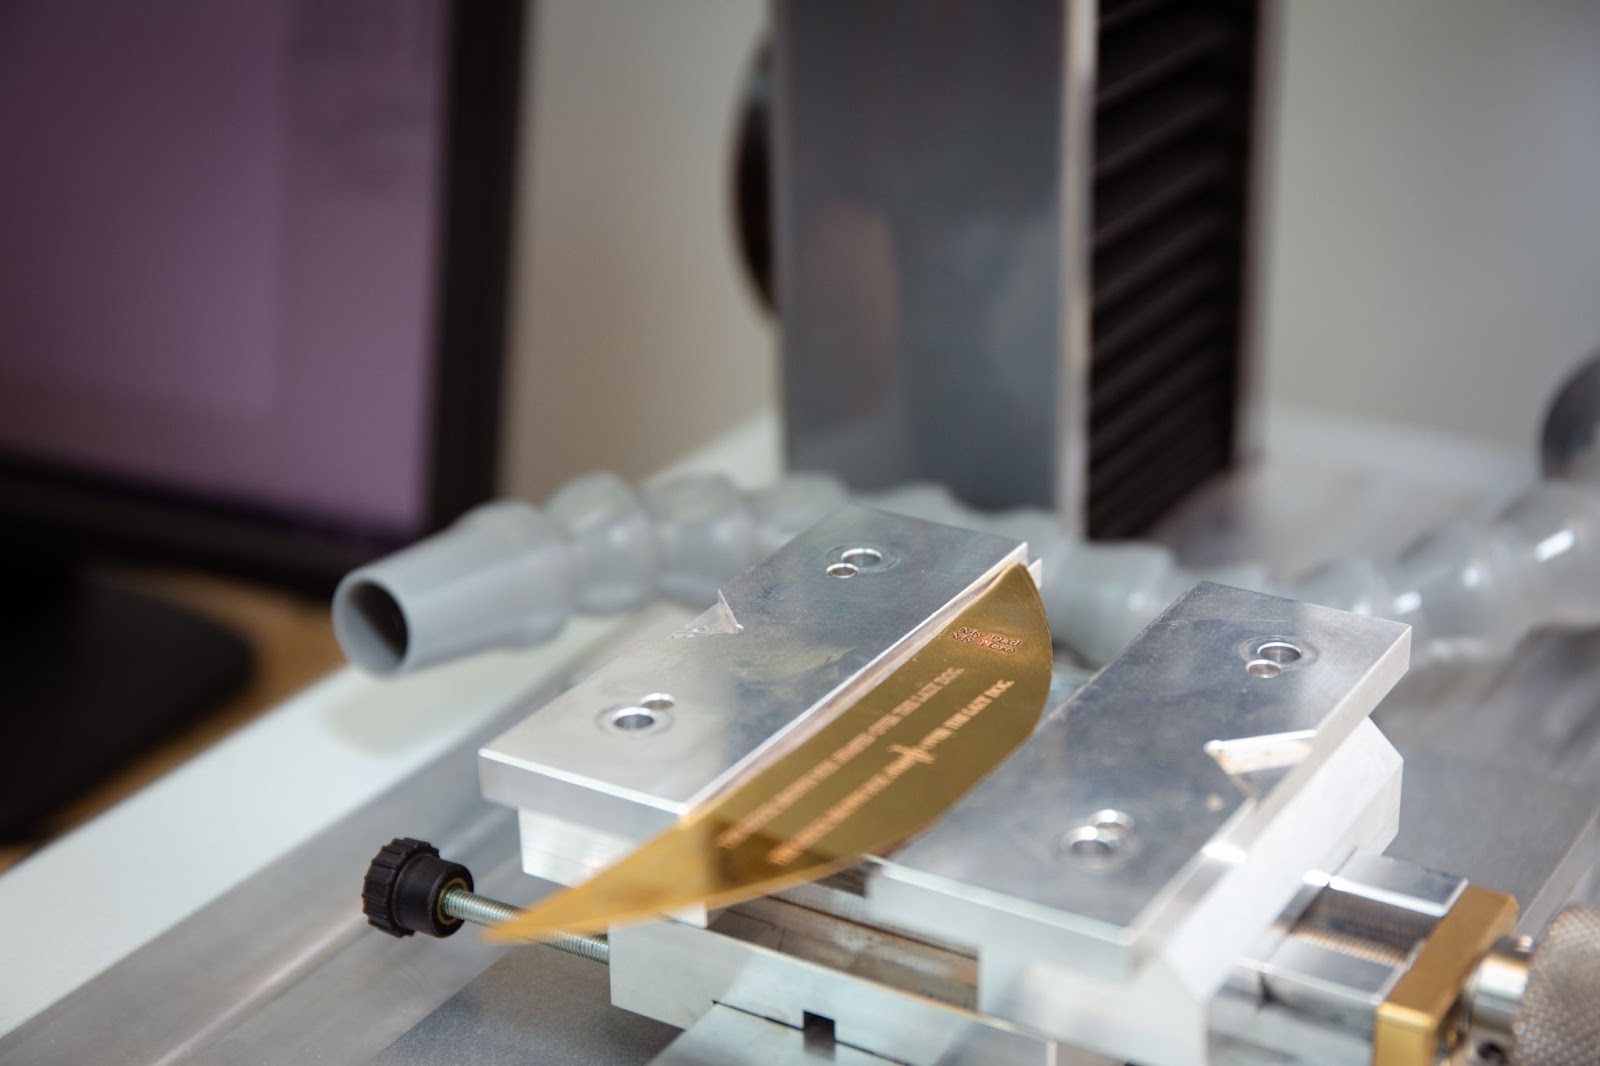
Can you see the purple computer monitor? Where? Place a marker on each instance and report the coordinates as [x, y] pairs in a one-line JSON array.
[[252, 272]]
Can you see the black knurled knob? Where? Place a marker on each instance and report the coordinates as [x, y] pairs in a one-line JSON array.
[[405, 886]]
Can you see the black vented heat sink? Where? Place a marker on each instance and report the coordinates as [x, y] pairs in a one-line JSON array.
[[1172, 166]]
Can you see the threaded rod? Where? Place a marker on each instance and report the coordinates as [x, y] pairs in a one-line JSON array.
[[481, 910]]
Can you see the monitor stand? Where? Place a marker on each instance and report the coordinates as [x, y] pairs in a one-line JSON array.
[[90, 676]]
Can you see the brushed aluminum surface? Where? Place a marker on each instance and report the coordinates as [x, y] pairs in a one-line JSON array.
[[1178, 736], [669, 723], [881, 769]]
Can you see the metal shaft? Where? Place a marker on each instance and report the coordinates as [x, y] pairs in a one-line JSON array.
[[1494, 996], [481, 910]]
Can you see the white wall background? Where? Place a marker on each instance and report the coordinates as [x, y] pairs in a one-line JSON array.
[[1430, 238], [634, 336], [1433, 235]]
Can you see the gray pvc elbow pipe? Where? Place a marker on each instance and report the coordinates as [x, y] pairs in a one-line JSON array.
[[500, 577]]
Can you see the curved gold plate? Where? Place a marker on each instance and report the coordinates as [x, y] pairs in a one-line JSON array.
[[882, 770]]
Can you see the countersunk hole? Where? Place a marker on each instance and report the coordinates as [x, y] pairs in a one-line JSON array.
[[651, 712], [1092, 846], [1103, 839], [1268, 657], [850, 561], [862, 558], [633, 719], [1279, 651]]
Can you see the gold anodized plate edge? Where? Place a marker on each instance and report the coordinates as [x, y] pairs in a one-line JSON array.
[[1411, 1027]]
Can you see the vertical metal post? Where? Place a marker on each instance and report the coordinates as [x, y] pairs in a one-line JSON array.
[[933, 185]]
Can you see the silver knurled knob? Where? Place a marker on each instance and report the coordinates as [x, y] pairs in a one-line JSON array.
[[1558, 1022]]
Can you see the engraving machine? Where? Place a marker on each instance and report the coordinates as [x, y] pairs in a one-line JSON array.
[[1182, 865]]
